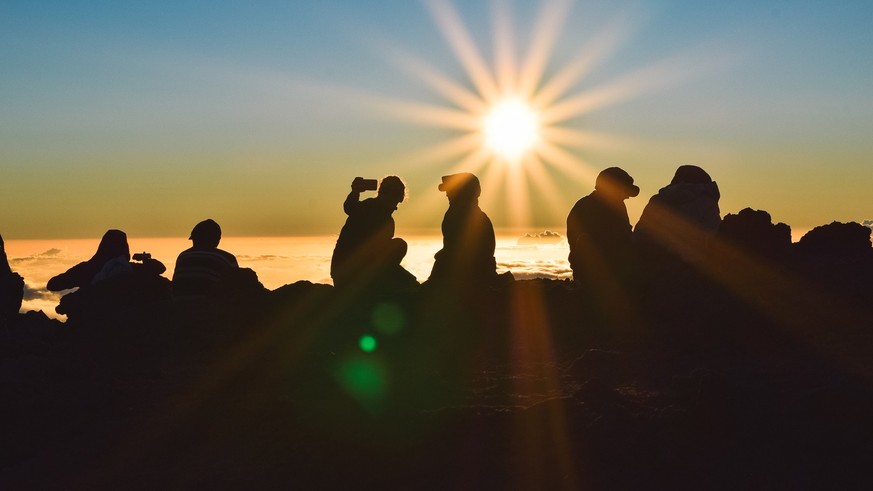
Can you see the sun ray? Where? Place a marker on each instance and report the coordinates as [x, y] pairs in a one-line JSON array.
[[456, 34], [546, 188], [436, 80], [573, 138], [504, 48], [426, 114], [517, 197], [604, 44], [443, 151], [653, 77], [490, 181], [549, 24], [567, 163]]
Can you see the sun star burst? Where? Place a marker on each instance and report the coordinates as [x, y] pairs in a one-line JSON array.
[[515, 124], [511, 129]]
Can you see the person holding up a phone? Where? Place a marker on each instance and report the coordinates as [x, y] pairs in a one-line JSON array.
[[367, 255]]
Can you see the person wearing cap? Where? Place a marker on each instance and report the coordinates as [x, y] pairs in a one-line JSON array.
[[679, 221], [599, 230], [201, 269], [467, 256], [367, 255]]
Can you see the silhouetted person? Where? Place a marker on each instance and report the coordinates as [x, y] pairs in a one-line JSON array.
[[467, 256], [367, 255], [11, 287], [599, 230], [204, 268], [109, 278], [679, 221]]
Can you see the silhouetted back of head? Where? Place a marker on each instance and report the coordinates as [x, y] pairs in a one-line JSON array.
[[206, 234], [691, 174], [461, 188], [112, 245], [614, 181], [392, 188]]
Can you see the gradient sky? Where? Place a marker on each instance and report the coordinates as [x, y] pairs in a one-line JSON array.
[[150, 116]]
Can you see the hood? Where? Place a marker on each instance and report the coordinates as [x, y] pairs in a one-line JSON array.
[[683, 192]]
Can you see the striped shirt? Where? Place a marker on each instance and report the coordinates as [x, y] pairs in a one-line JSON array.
[[200, 271]]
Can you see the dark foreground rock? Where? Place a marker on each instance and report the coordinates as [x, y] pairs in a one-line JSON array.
[[745, 377]]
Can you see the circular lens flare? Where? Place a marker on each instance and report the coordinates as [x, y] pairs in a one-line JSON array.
[[511, 128]]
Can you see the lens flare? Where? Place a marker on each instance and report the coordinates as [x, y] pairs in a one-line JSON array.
[[511, 129]]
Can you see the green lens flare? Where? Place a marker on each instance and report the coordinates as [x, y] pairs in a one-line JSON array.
[[388, 318], [368, 343], [365, 379]]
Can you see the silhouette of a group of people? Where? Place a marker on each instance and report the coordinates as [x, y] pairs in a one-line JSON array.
[[112, 277], [675, 226], [367, 256], [674, 229]]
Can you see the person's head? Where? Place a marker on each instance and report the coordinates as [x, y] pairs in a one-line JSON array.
[[112, 245], [206, 234], [461, 188], [690, 174], [616, 183], [392, 189]]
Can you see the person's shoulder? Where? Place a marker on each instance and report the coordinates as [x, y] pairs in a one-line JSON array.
[[583, 202], [186, 252], [230, 257]]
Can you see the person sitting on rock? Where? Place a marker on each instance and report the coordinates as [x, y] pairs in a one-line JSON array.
[[11, 287], [204, 269], [599, 230], [467, 256], [680, 220], [367, 255], [109, 278]]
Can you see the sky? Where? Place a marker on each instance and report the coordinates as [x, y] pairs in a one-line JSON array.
[[151, 116]]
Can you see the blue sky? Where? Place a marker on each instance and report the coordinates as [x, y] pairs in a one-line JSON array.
[[149, 116]]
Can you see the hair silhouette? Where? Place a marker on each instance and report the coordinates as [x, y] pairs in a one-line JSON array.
[[109, 280], [113, 247]]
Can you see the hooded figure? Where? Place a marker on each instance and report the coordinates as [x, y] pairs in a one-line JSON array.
[[11, 287], [467, 256], [599, 230], [366, 253], [679, 221]]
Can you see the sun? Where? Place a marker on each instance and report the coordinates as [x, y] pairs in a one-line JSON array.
[[515, 119], [511, 129]]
